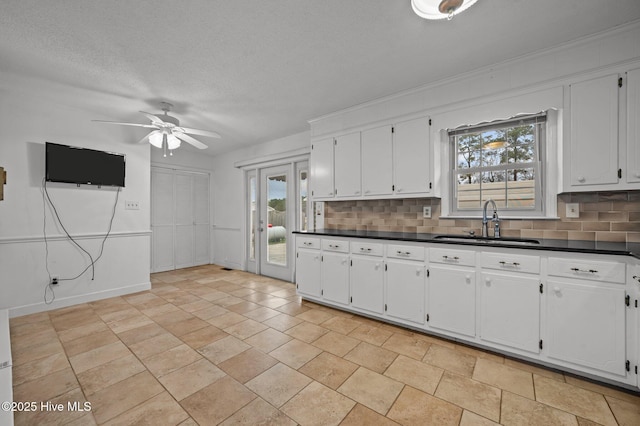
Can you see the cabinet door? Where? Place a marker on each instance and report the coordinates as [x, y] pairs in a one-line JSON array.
[[347, 165], [322, 168], [411, 167], [594, 132], [367, 283], [405, 290], [633, 126], [586, 325], [335, 277], [451, 299], [308, 272], [377, 161], [510, 310]]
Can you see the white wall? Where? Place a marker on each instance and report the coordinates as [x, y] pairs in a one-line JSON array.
[[33, 112]]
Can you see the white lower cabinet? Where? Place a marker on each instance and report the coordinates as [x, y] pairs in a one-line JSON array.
[[367, 283], [451, 299], [405, 290], [308, 272], [510, 310], [586, 325], [335, 277]]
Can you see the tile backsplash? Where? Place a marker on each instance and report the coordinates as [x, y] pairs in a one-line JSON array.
[[604, 216]]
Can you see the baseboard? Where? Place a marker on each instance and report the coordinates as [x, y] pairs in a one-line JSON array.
[[75, 300], [227, 264]]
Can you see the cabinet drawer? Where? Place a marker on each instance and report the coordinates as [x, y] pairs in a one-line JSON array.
[[587, 269], [452, 256], [405, 252], [511, 262], [364, 247], [308, 242], [335, 245]]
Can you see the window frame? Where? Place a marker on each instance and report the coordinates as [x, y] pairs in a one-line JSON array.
[[541, 122]]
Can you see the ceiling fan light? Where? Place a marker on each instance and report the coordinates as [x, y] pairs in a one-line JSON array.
[[172, 142], [155, 139], [431, 9]]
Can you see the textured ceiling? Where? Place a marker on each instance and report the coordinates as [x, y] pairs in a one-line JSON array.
[[255, 70]]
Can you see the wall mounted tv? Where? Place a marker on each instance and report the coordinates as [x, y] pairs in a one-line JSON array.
[[70, 164]]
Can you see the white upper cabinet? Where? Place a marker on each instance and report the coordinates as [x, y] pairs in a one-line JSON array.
[[322, 168], [633, 126], [411, 162], [347, 165], [377, 161], [594, 132]]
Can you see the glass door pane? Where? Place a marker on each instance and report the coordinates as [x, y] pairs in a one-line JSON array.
[[277, 219]]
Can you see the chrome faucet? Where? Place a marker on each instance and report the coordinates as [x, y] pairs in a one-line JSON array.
[[495, 219]]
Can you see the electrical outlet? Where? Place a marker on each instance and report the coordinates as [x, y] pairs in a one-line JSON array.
[[132, 205], [426, 212], [573, 210], [54, 280]]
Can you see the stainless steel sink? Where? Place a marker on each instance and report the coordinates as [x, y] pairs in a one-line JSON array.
[[488, 241]]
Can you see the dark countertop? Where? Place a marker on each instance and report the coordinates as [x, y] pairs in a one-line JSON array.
[[601, 247]]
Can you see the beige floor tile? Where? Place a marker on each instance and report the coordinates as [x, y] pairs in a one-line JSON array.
[[61, 417], [307, 332], [478, 397], [247, 365], [139, 334], [210, 312], [407, 345], [223, 349], [451, 360], [517, 410], [534, 369], [196, 305], [202, 337], [226, 320], [25, 343], [303, 407], [295, 353], [268, 340], [244, 307], [46, 388], [216, 402], [262, 313], [172, 317], [336, 343], [282, 322], [472, 419], [575, 400], [190, 379], [585, 422], [479, 353], [109, 373], [315, 316], [361, 415], [245, 329], [278, 384], [187, 326], [504, 377], [160, 310], [626, 413], [371, 389], [150, 347], [273, 302], [39, 368], [370, 334], [28, 319], [129, 323], [85, 330], [373, 357], [414, 407], [161, 409], [29, 328], [341, 324], [95, 357], [292, 308], [124, 395], [620, 394], [421, 376], [228, 301], [329, 369], [89, 342], [120, 315], [258, 412], [171, 360], [26, 354]]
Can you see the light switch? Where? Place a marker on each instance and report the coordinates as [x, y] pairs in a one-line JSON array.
[[573, 210], [131, 205]]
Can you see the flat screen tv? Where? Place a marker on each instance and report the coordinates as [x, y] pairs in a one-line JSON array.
[[83, 166]]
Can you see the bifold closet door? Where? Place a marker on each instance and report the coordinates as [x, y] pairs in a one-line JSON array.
[[162, 220]]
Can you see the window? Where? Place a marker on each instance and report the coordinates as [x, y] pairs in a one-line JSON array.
[[500, 161]]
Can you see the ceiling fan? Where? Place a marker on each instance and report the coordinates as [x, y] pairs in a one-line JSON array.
[[167, 133]]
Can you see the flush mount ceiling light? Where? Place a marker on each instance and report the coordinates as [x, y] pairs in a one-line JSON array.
[[440, 9]]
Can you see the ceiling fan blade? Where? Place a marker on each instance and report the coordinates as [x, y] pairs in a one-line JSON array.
[[146, 137], [149, 126], [188, 139], [154, 118], [200, 132]]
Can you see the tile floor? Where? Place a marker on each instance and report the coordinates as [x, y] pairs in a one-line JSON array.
[[207, 346]]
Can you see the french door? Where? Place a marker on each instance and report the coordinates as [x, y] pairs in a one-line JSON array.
[[179, 219]]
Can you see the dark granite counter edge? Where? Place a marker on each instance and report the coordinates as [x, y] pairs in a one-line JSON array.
[[575, 246]]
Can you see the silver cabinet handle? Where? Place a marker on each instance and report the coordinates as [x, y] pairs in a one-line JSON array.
[[589, 271], [334, 246], [503, 263], [364, 249], [403, 253], [637, 278], [454, 258], [307, 243]]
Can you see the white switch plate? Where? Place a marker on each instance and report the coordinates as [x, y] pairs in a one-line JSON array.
[[426, 212], [131, 205], [573, 210]]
